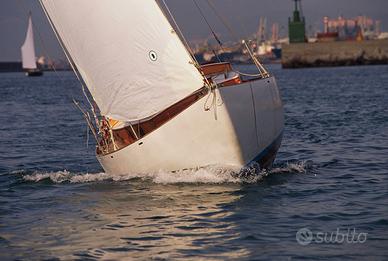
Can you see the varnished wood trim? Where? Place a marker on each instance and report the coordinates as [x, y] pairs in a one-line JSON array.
[[124, 137]]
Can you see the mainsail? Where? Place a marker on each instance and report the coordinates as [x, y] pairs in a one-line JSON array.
[[28, 48], [126, 51]]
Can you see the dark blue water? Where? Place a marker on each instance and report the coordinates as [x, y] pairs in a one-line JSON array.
[[330, 179]]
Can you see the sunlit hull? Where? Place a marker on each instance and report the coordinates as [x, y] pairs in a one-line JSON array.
[[245, 125]]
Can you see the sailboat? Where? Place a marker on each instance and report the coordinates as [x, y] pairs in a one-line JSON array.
[[28, 52], [155, 107]]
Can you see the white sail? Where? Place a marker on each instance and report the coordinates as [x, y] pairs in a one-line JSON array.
[[28, 48], [130, 58]]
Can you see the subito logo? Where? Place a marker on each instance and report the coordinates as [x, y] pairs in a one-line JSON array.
[[304, 236]]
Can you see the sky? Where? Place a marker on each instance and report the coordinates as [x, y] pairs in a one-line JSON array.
[[242, 15]]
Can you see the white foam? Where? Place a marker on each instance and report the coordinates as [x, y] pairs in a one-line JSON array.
[[213, 174], [210, 175], [298, 167], [66, 176]]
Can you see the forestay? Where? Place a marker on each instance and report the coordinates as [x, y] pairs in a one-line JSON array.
[[130, 58], [28, 48]]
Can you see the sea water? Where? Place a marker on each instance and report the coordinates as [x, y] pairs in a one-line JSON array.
[[325, 198]]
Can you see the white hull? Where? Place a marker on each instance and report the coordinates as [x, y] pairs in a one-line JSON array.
[[248, 127]]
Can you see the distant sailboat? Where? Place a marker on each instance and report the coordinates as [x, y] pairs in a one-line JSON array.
[[28, 53], [158, 109]]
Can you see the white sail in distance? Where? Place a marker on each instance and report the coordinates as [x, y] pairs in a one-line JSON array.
[[28, 48], [126, 51]]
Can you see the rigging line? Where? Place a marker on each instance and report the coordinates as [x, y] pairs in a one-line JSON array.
[[51, 64], [258, 64], [186, 43], [216, 55], [71, 63], [223, 20], [211, 29], [213, 95], [87, 118], [226, 23], [208, 24]]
